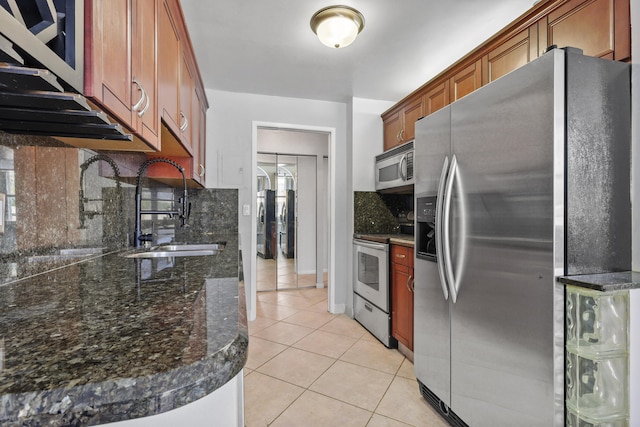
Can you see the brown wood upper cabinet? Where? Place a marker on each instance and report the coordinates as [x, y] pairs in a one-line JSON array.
[[169, 64], [176, 75], [182, 98], [512, 54], [600, 28], [399, 124], [199, 115], [436, 97], [120, 63], [465, 81]]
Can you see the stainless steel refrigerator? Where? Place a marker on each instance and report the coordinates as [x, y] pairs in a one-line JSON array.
[[522, 181], [266, 224]]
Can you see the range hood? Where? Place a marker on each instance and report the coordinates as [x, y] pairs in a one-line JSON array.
[[41, 72]]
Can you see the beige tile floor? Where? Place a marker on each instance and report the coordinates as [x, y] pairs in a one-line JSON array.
[[307, 367], [280, 273]]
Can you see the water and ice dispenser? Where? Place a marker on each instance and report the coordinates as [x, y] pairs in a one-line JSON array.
[[425, 228]]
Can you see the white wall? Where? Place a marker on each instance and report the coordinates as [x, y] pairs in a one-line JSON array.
[[367, 140], [366, 135], [230, 120], [293, 142]]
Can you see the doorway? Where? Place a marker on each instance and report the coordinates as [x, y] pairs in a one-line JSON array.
[[286, 221], [291, 209]]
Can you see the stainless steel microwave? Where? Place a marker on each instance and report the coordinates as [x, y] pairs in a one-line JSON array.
[[394, 168]]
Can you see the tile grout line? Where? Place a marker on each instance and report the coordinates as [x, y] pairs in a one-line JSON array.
[[314, 381], [305, 389]]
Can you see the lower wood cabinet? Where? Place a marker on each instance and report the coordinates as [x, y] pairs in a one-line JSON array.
[[402, 294]]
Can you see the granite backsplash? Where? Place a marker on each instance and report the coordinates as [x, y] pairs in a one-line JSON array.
[[56, 197], [378, 213]]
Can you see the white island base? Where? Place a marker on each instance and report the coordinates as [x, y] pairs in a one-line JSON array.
[[223, 407]]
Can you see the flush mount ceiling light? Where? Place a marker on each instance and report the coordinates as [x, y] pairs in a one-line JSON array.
[[337, 26]]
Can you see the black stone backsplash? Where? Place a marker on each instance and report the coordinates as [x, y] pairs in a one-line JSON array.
[[58, 197], [376, 213]]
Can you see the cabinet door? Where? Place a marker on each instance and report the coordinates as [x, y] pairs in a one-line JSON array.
[[598, 27], [512, 54], [108, 59], [465, 81], [402, 304], [411, 113], [436, 98], [392, 126], [402, 294], [169, 63], [199, 136], [144, 66], [187, 89]]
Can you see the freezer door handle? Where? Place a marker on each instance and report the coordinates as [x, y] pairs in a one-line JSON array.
[[439, 206], [454, 279]]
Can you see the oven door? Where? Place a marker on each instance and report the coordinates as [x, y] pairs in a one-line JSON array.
[[371, 272]]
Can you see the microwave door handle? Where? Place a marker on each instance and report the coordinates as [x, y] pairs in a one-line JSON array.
[[400, 171], [438, 227]]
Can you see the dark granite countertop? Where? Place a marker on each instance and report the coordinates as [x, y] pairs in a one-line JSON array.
[[396, 239], [625, 280], [111, 338]]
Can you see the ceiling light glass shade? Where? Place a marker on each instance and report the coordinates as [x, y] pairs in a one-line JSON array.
[[337, 26]]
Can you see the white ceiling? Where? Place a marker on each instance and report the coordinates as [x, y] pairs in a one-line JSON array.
[[267, 47]]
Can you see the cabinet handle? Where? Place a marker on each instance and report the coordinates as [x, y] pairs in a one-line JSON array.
[[398, 136], [401, 256], [201, 170], [185, 124], [409, 280], [143, 95], [402, 135], [146, 106]]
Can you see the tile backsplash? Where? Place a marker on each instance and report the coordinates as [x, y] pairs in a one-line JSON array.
[[57, 197], [378, 213]]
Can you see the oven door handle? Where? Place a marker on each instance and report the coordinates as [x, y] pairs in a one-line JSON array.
[[370, 245]]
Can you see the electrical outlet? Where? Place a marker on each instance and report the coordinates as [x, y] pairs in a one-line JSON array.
[[246, 210]]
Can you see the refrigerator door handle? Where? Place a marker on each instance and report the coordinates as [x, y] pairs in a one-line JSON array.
[[445, 221], [454, 279], [439, 250]]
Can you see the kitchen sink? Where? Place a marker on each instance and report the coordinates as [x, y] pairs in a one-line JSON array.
[[170, 254], [72, 254], [179, 250], [190, 247]]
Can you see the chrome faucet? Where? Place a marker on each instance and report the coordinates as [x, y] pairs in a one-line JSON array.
[[183, 213]]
